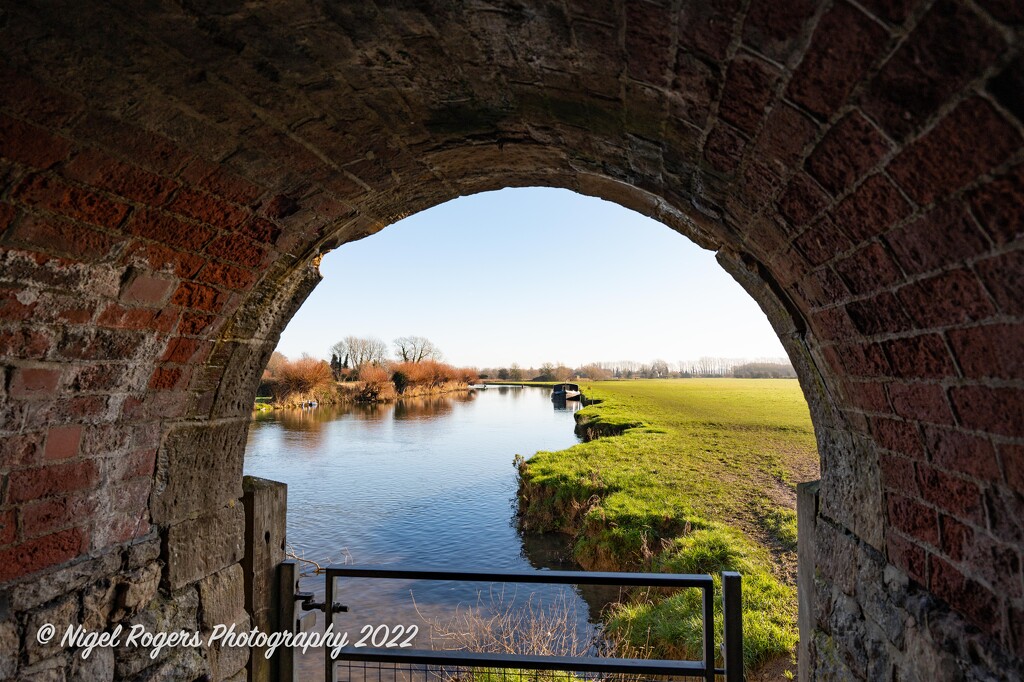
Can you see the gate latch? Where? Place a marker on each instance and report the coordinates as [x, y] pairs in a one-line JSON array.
[[305, 600]]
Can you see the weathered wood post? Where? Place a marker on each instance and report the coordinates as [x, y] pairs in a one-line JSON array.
[[806, 519], [266, 504]]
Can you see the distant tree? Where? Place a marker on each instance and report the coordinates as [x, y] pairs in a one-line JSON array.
[[274, 364], [562, 373], [503, 374], [547, 372], [659, 369], [515, 372], [356, 351], [416, 349], [594, 371]]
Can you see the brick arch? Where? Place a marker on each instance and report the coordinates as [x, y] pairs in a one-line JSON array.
[[169, 175]]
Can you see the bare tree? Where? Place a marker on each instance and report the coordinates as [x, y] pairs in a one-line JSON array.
[[416, 349], [356, 351]]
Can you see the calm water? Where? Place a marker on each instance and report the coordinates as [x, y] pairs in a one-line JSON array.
[[421, 483]]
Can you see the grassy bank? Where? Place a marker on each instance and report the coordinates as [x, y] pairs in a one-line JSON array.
[[685, 475]]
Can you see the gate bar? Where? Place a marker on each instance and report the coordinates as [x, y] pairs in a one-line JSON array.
[[732, 625]]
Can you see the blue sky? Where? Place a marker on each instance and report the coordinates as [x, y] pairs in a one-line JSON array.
[[533, 275]]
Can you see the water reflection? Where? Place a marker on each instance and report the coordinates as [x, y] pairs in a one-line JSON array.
[[423, 482]]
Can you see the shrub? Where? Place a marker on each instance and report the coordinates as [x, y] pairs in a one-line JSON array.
[[306, 377]]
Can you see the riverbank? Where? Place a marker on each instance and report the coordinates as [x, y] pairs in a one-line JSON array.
[[684, 475], [357, 392]]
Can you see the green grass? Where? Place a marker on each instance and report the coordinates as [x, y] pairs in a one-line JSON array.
[[699, 480]]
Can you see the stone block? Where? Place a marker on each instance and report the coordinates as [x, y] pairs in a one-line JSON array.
[[167, 614], [222, 597], [200, 547], [60, 614], [199, 469]]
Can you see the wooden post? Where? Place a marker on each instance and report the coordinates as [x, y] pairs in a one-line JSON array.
[[266, 504]]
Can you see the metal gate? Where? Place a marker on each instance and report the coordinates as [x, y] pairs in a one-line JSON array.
[[411, 665]]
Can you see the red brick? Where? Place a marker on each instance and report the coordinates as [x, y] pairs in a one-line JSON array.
[[774, 29], [149, 150], [950, 298], [165, 378], [63, 442], [193, 324], [1012, 458], [198, 297], [8, 527], [913, 518], [47, 516], [851, 148], [31, 145], [990, 409], [169, 230], [964, 594], [991, 561], [118, 316], [868, 270], [56, 235], [7, 215], [1008, 87], [894, 11], [920, 357], [833, 324], [280, 206], [843, 47], [945, 235], [98, 169], [13, 310], [898, 436], [31, 101], [874, 207], [724, 147], [748, 90], [34, 382], [990, 352], [1001, 277], [869, 396], [52, 479], [923, 402], [897, 473], [157, 257], [648, 42], [227, 276], [208, 209], [34, 555], [999, 206], [864, 360], [906, 555], [784, 136], [261, 230], [957, 538], [213, 178], [950, 46], [883, 314], [180, 350], [144, 289], [954, 495], [25, 343], [963, 453], [802, 200], [73, 202], [970, 141], [237, 249]]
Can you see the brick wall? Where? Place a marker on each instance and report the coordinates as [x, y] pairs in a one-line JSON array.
[[168, 177]]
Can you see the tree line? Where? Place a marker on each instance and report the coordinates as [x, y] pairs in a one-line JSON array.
[[705, 367]]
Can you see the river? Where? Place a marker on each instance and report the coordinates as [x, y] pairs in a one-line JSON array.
[[427, 482]]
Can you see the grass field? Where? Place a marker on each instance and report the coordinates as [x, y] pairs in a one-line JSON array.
[[688, 475]]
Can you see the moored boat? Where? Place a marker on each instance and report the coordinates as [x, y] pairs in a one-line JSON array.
[[566, 392]]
